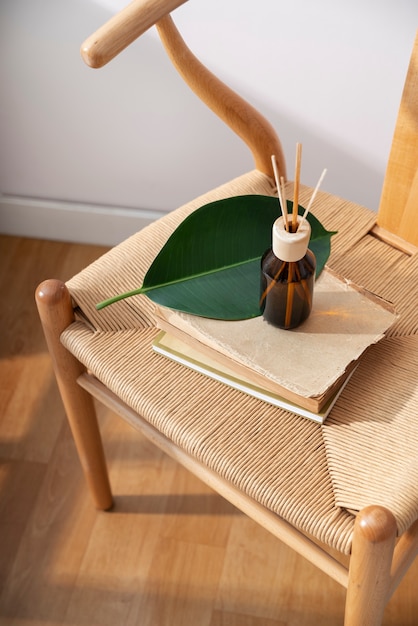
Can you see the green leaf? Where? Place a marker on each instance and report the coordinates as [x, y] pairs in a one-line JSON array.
[[210, 266]]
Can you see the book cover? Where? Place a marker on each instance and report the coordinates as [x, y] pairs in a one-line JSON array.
[[180, 352]]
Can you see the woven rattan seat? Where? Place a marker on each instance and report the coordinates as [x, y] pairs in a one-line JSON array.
[[286, 463], [287, 472]]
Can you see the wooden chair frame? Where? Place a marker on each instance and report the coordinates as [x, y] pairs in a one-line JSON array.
[[377, 562]]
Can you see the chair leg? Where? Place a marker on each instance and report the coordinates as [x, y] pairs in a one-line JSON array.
[[56, 312], [370, 565]]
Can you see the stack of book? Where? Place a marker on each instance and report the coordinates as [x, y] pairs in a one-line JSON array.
[[303, 370]]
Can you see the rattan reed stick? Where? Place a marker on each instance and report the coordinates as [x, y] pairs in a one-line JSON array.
[[286, 216], [315, 191], [282, 200], [296, 186]]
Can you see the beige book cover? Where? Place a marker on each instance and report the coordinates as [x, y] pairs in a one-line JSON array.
[[305, 364]]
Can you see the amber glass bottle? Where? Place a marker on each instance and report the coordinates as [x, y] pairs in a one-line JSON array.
[[287, 276]]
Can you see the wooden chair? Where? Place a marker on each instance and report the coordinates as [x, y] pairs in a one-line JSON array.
[[348, 486]]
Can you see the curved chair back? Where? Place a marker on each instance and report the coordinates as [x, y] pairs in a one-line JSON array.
[[397, 220], [239, 115]]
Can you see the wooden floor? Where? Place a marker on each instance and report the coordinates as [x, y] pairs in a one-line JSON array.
[[170, 553]]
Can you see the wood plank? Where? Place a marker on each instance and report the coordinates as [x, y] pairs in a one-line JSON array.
[[52, 547], [196, 513], [181, 585], [221, 618], [293, 584], [29, 429], [19, 486]]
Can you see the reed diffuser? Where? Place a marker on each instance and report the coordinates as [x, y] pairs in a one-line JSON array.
[[288, 267]]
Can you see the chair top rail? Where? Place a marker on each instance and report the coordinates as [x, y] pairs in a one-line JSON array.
[[123, 28]]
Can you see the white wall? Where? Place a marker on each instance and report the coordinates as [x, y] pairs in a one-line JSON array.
[[130, 139]]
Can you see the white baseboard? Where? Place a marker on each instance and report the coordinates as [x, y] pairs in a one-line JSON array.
[[69, 221]]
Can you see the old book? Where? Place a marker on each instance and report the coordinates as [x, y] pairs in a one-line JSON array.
[[181, 352], [305, 366]]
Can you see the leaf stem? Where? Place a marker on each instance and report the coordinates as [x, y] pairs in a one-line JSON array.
[[121, 296]]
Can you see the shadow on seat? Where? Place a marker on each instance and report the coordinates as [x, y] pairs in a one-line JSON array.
[[349, 485]]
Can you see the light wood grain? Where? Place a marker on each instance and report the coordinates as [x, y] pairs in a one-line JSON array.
[[243, 119], [56, 313], [398, 210], [370, 567], [123, 28], [171, 551]]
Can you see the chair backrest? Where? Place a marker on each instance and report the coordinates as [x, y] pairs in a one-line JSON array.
[[238, 114], [398, 210]]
